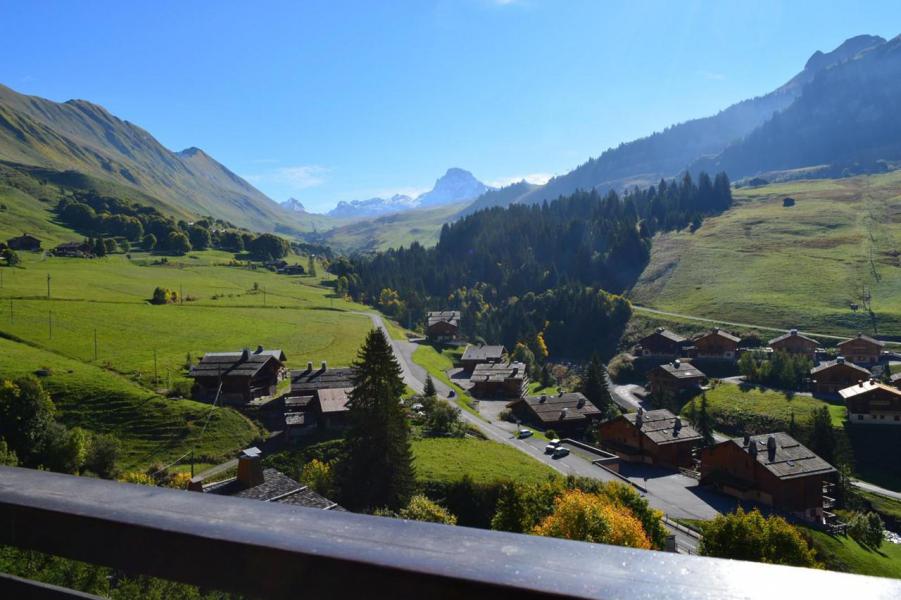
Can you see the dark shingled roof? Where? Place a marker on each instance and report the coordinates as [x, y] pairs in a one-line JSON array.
[[823, 366], [310, 380], [792, 333], [864, 337], [550, 409], [230, 364], [670, 335], [660, 427], [276, 487], [297, 402], [483, 352], [498, 372], [791, 459], [681, 369], [447, 316], [719, 333]]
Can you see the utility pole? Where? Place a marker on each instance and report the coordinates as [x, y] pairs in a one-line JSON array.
[[50, 323], [95, 345], [10, 311], [155, 372], [192, 463], [48, 286], [264, 296], [181, 294]]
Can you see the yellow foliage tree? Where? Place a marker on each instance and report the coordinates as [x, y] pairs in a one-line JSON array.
[[179, 481], [317, 475], [593, 518], [137, 477], [542, 346]]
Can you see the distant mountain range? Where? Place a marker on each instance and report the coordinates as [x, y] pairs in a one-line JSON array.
[[293, 205], [81, 136], [455, 186], [696, 143]]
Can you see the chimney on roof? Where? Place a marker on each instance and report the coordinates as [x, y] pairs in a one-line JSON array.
[[677, 425], [245, 355], [543, 398], [660, 330], [872, 380], [840, 360], [309, 365], [639, 418], [563, 412], [515, 371], [716, 330], [580, 403], [747, 440], [752, 448], [259, 350], [324, 367], [771, 447], [250, 468], [676, 363], [793, 332]]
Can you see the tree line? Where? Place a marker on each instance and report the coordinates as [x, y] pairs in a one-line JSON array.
[[555, 268]]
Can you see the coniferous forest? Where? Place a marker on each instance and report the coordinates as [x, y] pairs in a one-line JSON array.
[[548, 275]]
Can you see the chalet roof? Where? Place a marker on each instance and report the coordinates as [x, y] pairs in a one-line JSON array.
[[670, 335], [297, 402], [790, 460], [310, 380], [483, 352], [334, 400], [24, 237], [276, 487], [444, 316], [862, 337], [230, 364], [73, 246], [895, 379], [717, 332], [276, 354], [865, 387], [791, 334], [571, 406], [839, 362], [660, 426], [681, 369], [498, 372]]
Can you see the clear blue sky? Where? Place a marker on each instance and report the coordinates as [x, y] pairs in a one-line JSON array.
[[329, 101]]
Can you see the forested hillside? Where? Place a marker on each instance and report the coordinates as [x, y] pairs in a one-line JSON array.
[[543, 269]]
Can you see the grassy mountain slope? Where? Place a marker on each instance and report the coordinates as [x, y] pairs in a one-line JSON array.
[[81, 136], [765, 264]]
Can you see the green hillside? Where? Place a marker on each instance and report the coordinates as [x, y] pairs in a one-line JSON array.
[[805, 265]]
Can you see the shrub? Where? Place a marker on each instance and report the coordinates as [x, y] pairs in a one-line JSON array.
[[550, 434], [164, 296], [586, 517], [622, 369], [317, 475], [507, 415], [420, 508], [867, 528], [751, 536]]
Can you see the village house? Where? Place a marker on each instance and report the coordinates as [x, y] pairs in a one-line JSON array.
[[478, 355], [74, 250], [566, 413], [253, 482], [663, 343], [25, 242], [717, 344], [831, 376], [243, 376], [320, 396], [895, 380], [656, 437], [443, 326], [772, 469], [862, 349], [794, 343], [872, 402], [674, 378], [499, 380]]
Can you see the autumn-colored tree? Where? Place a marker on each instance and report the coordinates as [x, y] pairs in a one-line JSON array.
[[179, 481], [751, 536], [137, 477], [594, 518], [317, 475]]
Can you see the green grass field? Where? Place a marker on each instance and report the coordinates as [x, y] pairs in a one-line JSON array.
[[765, 264], [762, 410], [840, 551], [436, 363], [152, 429], [448, 460]]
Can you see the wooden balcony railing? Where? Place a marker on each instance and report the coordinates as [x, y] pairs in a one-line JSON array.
[[275, 551]]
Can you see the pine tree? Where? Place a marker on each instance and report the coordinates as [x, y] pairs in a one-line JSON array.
[[822, 437], [377, 470], [594, 387], [429, 389], [703, 422]]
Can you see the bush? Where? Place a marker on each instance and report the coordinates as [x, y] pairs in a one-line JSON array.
[[103, 453], [550, 434], [867, 528], [317, 475], [507, 415], [751, 536], [9, 255], [586, 517], [164, 296], [622, 369], [420, 508]]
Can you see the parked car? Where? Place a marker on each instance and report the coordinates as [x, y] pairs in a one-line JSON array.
[[552, 445], [560, 452], [524, 433]]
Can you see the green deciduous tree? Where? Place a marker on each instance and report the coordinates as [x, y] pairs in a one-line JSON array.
[[177, 243], [420, 508], [867, 528], [378, 468], [103, 454], [318, 476], [26, 411], [751, 536]]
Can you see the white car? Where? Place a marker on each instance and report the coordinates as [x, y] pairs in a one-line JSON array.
[[552, 446], [560, 452], [524, 433]]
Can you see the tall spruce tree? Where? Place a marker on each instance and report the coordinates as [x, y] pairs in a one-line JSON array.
[[703, 422], [429, 389], [377, 470], [822, 435], [594, 386]]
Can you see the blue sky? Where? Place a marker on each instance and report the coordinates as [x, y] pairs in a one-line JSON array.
[[329, 101]]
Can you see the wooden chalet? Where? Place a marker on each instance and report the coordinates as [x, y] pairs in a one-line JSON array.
[[662, 343], [872, 402], [655, 437], [320, 396], [772, 469], [568, 413], [794, 343], [831, 376], [895, 380], [862, 349], [443, 326], [243, 376], [478, 355], [253, 482], [499, 380], [717, 344], [25, 242], [74, 250], [675, 378]]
